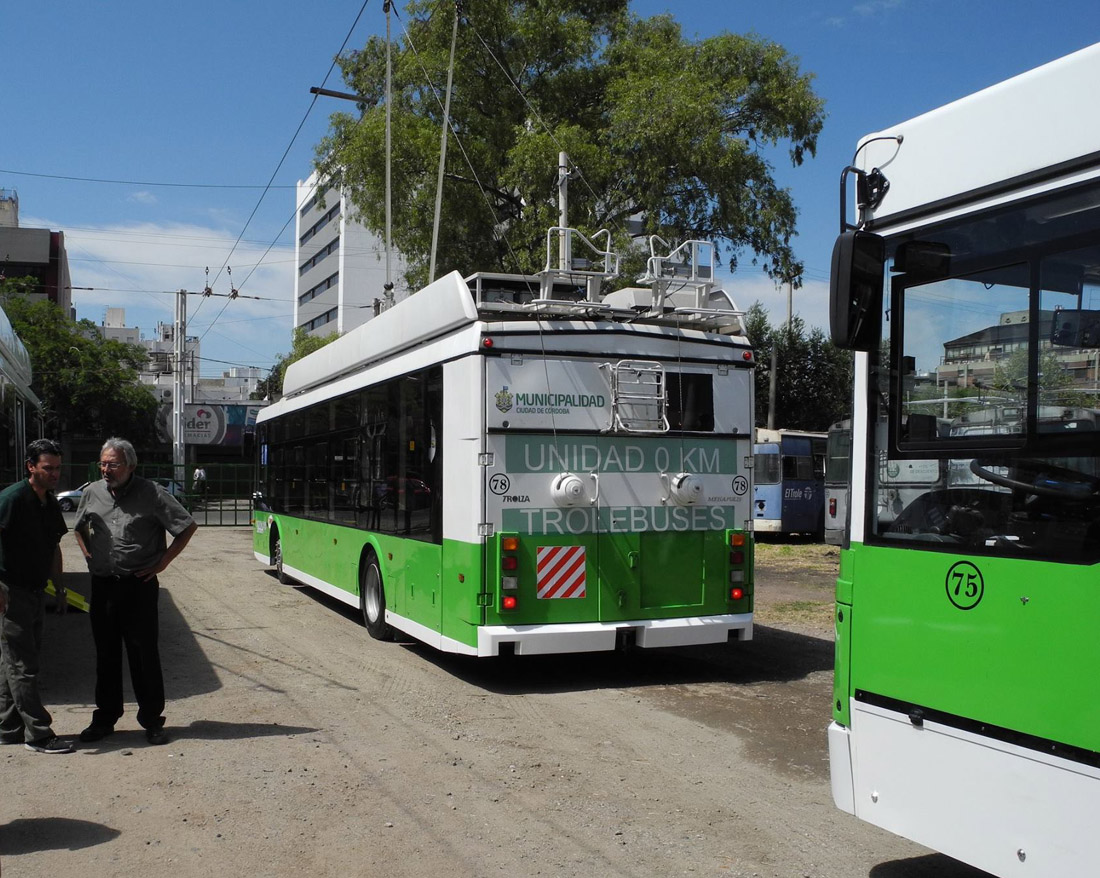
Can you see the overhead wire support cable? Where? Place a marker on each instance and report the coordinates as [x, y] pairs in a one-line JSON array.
[[141, 182], [278, 167]]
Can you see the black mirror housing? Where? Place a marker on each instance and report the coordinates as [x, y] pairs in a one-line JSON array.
[[855, 290]]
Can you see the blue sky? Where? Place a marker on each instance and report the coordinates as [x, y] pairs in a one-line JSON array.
[[209, 97]]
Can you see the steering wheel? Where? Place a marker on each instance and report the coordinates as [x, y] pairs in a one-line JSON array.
[[1058, 482]]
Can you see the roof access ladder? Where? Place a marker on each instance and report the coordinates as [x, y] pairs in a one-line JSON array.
[[637, 396]]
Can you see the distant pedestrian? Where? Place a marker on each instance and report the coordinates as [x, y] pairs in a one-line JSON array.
[[120, 527], [198, 482], [31, 527]]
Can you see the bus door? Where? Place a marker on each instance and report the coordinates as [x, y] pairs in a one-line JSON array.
[[402, 444], [767, 507], [803, 501]]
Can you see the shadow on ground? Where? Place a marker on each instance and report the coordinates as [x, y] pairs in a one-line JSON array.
[[27, 835]]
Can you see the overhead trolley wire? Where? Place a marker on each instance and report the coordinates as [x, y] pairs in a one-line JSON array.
[[286, 152]]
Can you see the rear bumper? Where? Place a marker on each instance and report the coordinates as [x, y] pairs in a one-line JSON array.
[[603, 636]]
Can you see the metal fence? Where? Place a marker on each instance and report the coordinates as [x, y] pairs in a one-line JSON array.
[[223, 500]]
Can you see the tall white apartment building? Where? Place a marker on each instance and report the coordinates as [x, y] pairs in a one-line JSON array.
[[341, 267]]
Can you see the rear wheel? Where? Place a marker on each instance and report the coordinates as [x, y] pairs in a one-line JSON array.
[[372, 599], [277, 561]]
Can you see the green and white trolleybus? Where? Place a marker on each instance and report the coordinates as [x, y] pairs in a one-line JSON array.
[[966, 710], [517, 464]]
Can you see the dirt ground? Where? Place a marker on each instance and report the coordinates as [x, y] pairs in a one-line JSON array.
[[301, 746]]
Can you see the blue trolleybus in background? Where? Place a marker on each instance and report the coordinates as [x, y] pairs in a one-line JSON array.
[[789, 482], [838, 477]]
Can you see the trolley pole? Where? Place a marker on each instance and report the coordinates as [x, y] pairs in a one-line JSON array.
[[565, 257]]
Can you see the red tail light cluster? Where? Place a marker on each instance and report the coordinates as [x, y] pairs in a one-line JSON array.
[[509, 565], [740, 564]]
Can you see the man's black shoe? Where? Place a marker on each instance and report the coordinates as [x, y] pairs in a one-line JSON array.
[[96, 733], [156, 736]]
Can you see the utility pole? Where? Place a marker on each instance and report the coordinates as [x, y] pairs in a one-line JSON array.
[[443, 144], [179, 335], [774, 374], [771, 384]]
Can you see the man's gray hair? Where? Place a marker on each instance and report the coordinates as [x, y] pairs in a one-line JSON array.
[[123, 447]]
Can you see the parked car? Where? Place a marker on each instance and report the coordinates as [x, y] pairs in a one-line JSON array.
[[173, 488], [69, 500]]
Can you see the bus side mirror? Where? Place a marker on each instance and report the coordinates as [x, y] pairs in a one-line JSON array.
[[1075, 328], [855, 290]]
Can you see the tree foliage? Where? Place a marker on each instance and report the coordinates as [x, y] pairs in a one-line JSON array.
[[1007, 386], [674, 133], [302, 345], [813, 376], [88, 385]]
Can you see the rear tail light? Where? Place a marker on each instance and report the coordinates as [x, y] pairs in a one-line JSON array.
[[740, 566], [509, 565], [832, 507]]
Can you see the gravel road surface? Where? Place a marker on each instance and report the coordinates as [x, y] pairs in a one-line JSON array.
[[302, 747]]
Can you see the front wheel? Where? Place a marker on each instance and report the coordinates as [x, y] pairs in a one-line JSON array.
[[372, 600], [277, 562], [66, 504]]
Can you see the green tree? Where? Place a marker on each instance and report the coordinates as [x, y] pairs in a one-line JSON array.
[[302, 345], [88, 385], [666, 136], [813, 379], [1056, 384]]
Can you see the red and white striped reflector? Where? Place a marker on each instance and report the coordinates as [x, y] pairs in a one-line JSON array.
[[560, 572]]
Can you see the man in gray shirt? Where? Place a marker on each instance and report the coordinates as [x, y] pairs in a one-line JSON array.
[[120, 527]]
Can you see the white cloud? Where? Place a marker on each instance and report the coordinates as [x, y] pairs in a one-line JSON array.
[[811, 302], [874, 7], [143, 197], [140, 266]]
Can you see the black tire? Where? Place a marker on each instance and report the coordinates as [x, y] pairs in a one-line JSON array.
[[66, 504], [372, 599], [277, 561]]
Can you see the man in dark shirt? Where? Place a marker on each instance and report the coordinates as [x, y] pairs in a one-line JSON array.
[[31, 527], [120, 527]]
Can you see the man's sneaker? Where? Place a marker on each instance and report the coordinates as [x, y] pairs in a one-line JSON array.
[[96, 733], [16, 738], [49, 745]]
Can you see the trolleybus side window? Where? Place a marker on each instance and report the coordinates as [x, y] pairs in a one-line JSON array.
[[978, 387], [369, 459], [690, 401]]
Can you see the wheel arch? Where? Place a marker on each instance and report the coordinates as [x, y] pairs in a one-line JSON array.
[[272, 539], [369, 548]]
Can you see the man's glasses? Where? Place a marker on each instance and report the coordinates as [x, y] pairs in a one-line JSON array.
[[110, 464]]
